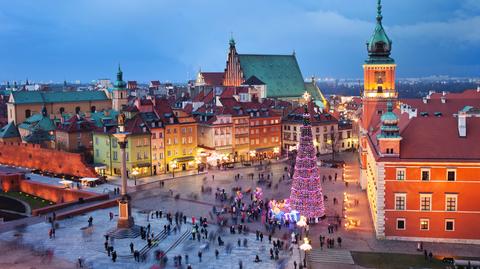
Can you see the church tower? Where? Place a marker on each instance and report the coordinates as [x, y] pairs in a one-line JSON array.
[[379, 93], [379, 75], [233, 71], [119, 92]]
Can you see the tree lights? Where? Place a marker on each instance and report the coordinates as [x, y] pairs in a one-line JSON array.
[[306, 193]]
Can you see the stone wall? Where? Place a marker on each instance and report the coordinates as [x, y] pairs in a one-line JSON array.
[[34, 157]]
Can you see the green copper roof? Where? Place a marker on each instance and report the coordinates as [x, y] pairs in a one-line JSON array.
[[38, 121], [9, 131], [280, 72], [379, 46], [100, 119], [119, 84], [26, 97], [316, 94]]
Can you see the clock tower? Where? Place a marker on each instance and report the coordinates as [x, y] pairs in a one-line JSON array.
[[379, 86]]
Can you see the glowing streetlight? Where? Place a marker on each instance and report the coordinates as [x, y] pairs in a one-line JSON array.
[[173, 164], [135, 173], [305, 247]]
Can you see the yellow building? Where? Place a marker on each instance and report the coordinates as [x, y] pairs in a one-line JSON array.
[[180, 137]]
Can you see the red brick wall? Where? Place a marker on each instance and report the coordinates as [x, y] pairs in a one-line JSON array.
[[11, 182], [32, 156], [53, 193]]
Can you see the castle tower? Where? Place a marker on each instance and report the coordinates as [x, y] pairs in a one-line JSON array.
[[119, 92], [389, 136], [379, 86], [379, 75]]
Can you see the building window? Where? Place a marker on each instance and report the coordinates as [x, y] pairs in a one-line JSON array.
[[424, 224], [115, 157], [97, 153], [451, 202], [77, 110], [425, 174], [425, 202], [145, 155], [400, 173], [401, 224], [400, 201], [28, 113], [169, 153], [96, 140], [451, 175], [449, 225], [139, 156]]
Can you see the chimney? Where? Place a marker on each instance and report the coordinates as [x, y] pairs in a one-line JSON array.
[[443, 99], [444, 93], [462, 124], [425, 100]]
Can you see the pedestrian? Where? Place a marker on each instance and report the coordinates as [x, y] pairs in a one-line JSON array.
[[216, 254], [294, 264], [261, 237], [131, 247], [425, 253], [339, 241], [430, 256], [200, 256], [111, 215], [240, 264], [186, 258], [114, 256]]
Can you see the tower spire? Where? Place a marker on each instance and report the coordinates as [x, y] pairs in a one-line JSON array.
[[379, 11]]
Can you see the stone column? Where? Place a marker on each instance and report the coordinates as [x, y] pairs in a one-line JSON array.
[[125, 219]]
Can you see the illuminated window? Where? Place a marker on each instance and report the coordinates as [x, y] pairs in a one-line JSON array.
[[449, 225], [451, 202], [400, 201], [425, 174], [401, 224], [425, 202], [424, 224], [451, 175]]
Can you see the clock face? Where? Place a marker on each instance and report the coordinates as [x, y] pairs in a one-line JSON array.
[[380, 77]]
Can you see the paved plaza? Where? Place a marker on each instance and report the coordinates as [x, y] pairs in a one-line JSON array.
[[74, 239]]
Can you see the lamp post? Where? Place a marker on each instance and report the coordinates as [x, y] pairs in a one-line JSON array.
[[198, 165], [125, 219], [135, 174], [301, 223], [173, 165], [305, 247]]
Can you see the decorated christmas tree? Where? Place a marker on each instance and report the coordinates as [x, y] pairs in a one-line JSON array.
[[306, 194]]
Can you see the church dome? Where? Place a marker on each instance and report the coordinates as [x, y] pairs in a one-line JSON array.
[[379, 46]]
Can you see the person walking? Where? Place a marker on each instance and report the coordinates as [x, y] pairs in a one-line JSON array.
[[114, 256], [200, 256]]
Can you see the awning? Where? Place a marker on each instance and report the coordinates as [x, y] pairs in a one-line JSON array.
[[264, 149], [142, 165], [184, 159]]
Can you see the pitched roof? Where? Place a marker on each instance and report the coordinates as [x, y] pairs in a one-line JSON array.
[[9, 131], [437, 138], [316, 117], [313, 89], [76, 124], [38, 122], [29, 97], [253, 80], [213, 78], [281, 73]]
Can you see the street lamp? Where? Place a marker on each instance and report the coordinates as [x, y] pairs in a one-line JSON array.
[[252, 155], [198, 161], [302, 223], [173, 165], [135, 174], [305, 247]]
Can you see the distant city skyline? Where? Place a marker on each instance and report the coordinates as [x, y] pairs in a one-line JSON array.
[[169, 41]]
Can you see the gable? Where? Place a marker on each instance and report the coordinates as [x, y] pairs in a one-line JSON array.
[[280, 73]]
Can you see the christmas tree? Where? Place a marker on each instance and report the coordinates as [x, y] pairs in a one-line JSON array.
[[306, 194]]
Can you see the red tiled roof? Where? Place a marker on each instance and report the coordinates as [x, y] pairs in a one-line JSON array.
[[209, 97], [437, 138], [213, 78], [199, 97], [228, 92], [454, 102], [76, 124], [188, 108]]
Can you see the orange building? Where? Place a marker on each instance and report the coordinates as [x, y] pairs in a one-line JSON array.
[[420, 158]]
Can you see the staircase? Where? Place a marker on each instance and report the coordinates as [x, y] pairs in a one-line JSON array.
[[330, 256]]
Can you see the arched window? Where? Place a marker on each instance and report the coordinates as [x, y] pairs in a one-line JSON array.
[[62, 109], [77, 110], [93, 109], [28, 113]]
